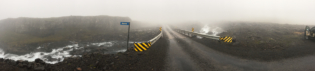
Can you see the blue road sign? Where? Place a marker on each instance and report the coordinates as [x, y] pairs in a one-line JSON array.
[[124, 23]]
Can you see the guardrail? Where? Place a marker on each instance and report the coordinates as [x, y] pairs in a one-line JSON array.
[[145, 45], [189, 33], [153, 40]]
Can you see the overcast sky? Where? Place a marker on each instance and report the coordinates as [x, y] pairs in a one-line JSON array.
[[165, 11]]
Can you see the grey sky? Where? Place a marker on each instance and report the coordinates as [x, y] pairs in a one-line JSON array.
[[166, 11]]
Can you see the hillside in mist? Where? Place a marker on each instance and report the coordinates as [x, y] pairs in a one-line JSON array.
[[16, 32], [48, 26]]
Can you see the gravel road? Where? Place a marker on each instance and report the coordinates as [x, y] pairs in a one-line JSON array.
[[192, 55]]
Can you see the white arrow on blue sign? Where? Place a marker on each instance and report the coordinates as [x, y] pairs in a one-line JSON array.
[[124, 23]]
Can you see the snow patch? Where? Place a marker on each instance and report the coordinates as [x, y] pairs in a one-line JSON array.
[[210, 30], [122, 50], [53, 57], [38, 47], [56, 55], [107, 44], [205, 29]]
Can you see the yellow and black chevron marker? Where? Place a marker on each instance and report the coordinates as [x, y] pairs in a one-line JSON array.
[[160, 28], [139, 47], [226, 39]]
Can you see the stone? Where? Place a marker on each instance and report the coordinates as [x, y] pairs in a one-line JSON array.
[[139, 53], [79, 69], [39, 68], [96, 62], [20, 65], [38, 60], [19, 62], [29, 65], [236, 43]]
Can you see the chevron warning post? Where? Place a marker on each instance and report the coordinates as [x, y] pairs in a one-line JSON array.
[[226, 39], [160, 28], [139, 47]]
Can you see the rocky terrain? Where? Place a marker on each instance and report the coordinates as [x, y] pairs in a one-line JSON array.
[[265, 36], [19, 35], [151, 60], [26, 35]]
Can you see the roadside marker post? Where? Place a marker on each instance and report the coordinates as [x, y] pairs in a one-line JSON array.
[[226, 39], [160, 28], [139, 47], [126, 23], [192, 30]]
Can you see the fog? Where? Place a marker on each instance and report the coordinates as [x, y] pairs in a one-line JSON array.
[[168, 11]]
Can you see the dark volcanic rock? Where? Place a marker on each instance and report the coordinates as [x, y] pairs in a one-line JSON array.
[[39, 68], [39, 61]]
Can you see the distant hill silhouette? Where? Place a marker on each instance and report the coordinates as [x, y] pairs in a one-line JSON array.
[[20, 31], [49, 26]]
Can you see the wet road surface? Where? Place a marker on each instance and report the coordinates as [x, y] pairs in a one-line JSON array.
[[185, 54], [178, 59]]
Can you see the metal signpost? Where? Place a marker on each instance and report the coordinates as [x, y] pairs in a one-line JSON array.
[[126, 23]]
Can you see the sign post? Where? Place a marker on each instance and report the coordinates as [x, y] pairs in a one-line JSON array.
[[126, 23]]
